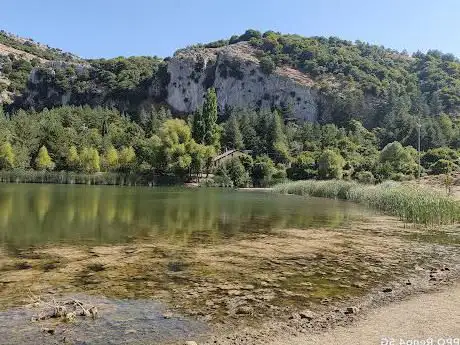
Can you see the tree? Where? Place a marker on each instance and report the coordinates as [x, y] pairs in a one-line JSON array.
[[232, 137], [211, 134], [303, 167], [198, 126], [111, 159], [399, 158], [43, 160], [276, 140], [237, 173], [330, 165], [73, 160], [267, 65], [176, 143], [127, 157], [263, 171], [7, 156], [90, 160]]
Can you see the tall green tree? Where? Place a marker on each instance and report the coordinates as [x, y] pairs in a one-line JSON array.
[[211, 135], [43, 160], [330, 165], [127, 158], [198, 126], [276, 140], [232, 137], [73, 159], [111, 159], [7, 156], [90, 160], [176, 142]]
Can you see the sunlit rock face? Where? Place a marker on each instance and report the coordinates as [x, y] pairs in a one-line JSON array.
[[240, 83]]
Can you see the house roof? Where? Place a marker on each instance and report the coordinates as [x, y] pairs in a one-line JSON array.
[[225, 154]]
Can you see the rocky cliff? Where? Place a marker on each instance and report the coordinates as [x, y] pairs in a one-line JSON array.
[[234, 71]]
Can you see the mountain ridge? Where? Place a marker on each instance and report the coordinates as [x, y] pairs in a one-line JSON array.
[[332, 69]]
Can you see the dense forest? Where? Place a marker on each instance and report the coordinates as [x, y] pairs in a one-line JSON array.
[[373, 102], [91, 140]]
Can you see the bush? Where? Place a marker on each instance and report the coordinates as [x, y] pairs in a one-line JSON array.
[[365, 177], [303, 167], [330, 165], [267, 65], [443, 166], [237, 173], [434, 155]]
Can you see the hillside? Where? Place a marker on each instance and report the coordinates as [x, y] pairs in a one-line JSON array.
[[315, 78], [303, 107]]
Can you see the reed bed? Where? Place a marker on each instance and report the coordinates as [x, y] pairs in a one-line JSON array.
[[66, 177], [411, 203]]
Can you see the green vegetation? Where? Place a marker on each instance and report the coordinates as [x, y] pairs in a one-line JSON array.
[[92, 140], [372, 100], [408, 202]]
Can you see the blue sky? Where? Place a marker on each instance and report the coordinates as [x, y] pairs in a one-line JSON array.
[[109, 28]]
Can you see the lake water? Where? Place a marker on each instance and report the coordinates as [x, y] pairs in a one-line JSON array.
[[43, 214], [136, 252]]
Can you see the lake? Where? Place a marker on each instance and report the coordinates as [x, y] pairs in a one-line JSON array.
[[42, 214], [165, 265]]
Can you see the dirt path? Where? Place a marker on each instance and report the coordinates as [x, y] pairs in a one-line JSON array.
[[434, 315]]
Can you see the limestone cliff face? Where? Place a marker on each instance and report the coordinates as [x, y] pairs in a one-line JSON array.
[[233, 70], [240, 83]]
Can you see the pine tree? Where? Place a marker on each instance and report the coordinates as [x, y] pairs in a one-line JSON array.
[[276, 140], [232, 138]]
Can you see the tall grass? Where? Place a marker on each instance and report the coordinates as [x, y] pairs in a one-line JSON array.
[[411, 203], [66, 177]]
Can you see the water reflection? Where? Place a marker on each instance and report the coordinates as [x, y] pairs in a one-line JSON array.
[[38, 214]]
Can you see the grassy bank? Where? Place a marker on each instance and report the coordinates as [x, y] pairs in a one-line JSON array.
[[410, 203], [65, 177]]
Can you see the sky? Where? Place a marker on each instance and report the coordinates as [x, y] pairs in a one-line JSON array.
[[110, 28]]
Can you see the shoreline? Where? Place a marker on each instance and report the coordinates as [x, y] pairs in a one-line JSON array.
[[346, 316]]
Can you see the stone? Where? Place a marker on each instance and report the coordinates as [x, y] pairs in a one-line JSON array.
[[386, 290], [351, 310], [190, 342], [49, 331], [244, 310], [167, 315], [307, 315]]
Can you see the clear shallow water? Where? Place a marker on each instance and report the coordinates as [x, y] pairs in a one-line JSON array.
[[46, 214], [119, 322]]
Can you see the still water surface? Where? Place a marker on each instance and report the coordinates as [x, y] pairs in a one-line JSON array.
[[46, 214]]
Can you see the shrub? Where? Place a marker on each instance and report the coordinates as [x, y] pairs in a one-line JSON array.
[[267, 65], [330, 165], [365, 177], [303, 167], [443, 166]]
